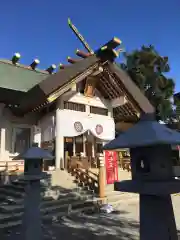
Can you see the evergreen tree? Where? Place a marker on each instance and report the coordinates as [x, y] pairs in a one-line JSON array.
[[148, 70]]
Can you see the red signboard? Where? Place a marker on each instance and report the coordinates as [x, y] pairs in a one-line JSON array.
[[111, 166]]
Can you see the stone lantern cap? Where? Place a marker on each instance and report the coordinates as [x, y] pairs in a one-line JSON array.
[[146, 132], [35, 153]]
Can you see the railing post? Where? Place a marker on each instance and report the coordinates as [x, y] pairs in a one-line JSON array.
[[101, 178], [6, 175]]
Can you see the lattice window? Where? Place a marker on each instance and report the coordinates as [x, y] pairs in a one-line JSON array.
[[98, 110], [75, 106]]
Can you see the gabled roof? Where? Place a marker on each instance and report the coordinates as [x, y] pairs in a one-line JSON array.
[[18, 77], [112, 82], [132, 91], [40, 88], [57, 81]]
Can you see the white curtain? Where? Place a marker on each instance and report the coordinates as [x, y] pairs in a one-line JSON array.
[[68, 120], [67, 129]]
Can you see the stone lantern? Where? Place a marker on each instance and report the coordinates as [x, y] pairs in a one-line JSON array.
[[152, 175], [33, 160]]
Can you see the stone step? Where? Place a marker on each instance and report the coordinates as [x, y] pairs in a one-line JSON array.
[[9, 221], [19, 191], [12, 199], [55, 193], [15, 197], [11, 192], [65, 183], [63, 178], [19, 182], [18, 188], [6, 208], [46, 218], [111, 196], [55, 204], [14, 219], [68, 198], [46, 203], [78, 208]]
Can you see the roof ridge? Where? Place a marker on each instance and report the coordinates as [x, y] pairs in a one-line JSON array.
[[9, 62]]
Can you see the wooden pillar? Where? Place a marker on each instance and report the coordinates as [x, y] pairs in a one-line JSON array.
[[3, 141], [84, 145], [120, 156], [93, 147], [101, 178], [74, 147], [66, 160]]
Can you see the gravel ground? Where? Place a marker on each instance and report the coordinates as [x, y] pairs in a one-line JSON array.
[[121, 225]]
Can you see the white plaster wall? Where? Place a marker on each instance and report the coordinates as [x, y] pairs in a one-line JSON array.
[[47, 126], [37, 135], [65, 128], [7, 122], [48, 123], [65, 120], [97, 101], [45, 130], [93, 101]]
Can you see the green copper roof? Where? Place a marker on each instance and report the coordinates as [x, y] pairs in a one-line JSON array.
[[19, 77]]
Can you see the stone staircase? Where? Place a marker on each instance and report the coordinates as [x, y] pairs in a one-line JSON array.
[[59, 193], [57, 200]]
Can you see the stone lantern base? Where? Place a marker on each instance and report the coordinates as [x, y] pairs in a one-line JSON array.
[[156, 211]]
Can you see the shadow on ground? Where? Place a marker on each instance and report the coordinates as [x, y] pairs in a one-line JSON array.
[[84, 226], [111, 226], [76, 227]]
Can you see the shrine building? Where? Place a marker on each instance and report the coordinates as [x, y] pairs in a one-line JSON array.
[[73, 109]]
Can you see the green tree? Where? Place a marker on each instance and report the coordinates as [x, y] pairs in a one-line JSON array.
[[176, 119], [148, 70]]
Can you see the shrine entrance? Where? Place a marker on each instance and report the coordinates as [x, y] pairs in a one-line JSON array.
[[84, 148]]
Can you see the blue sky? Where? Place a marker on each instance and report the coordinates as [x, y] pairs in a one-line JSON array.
[[39, 29]]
